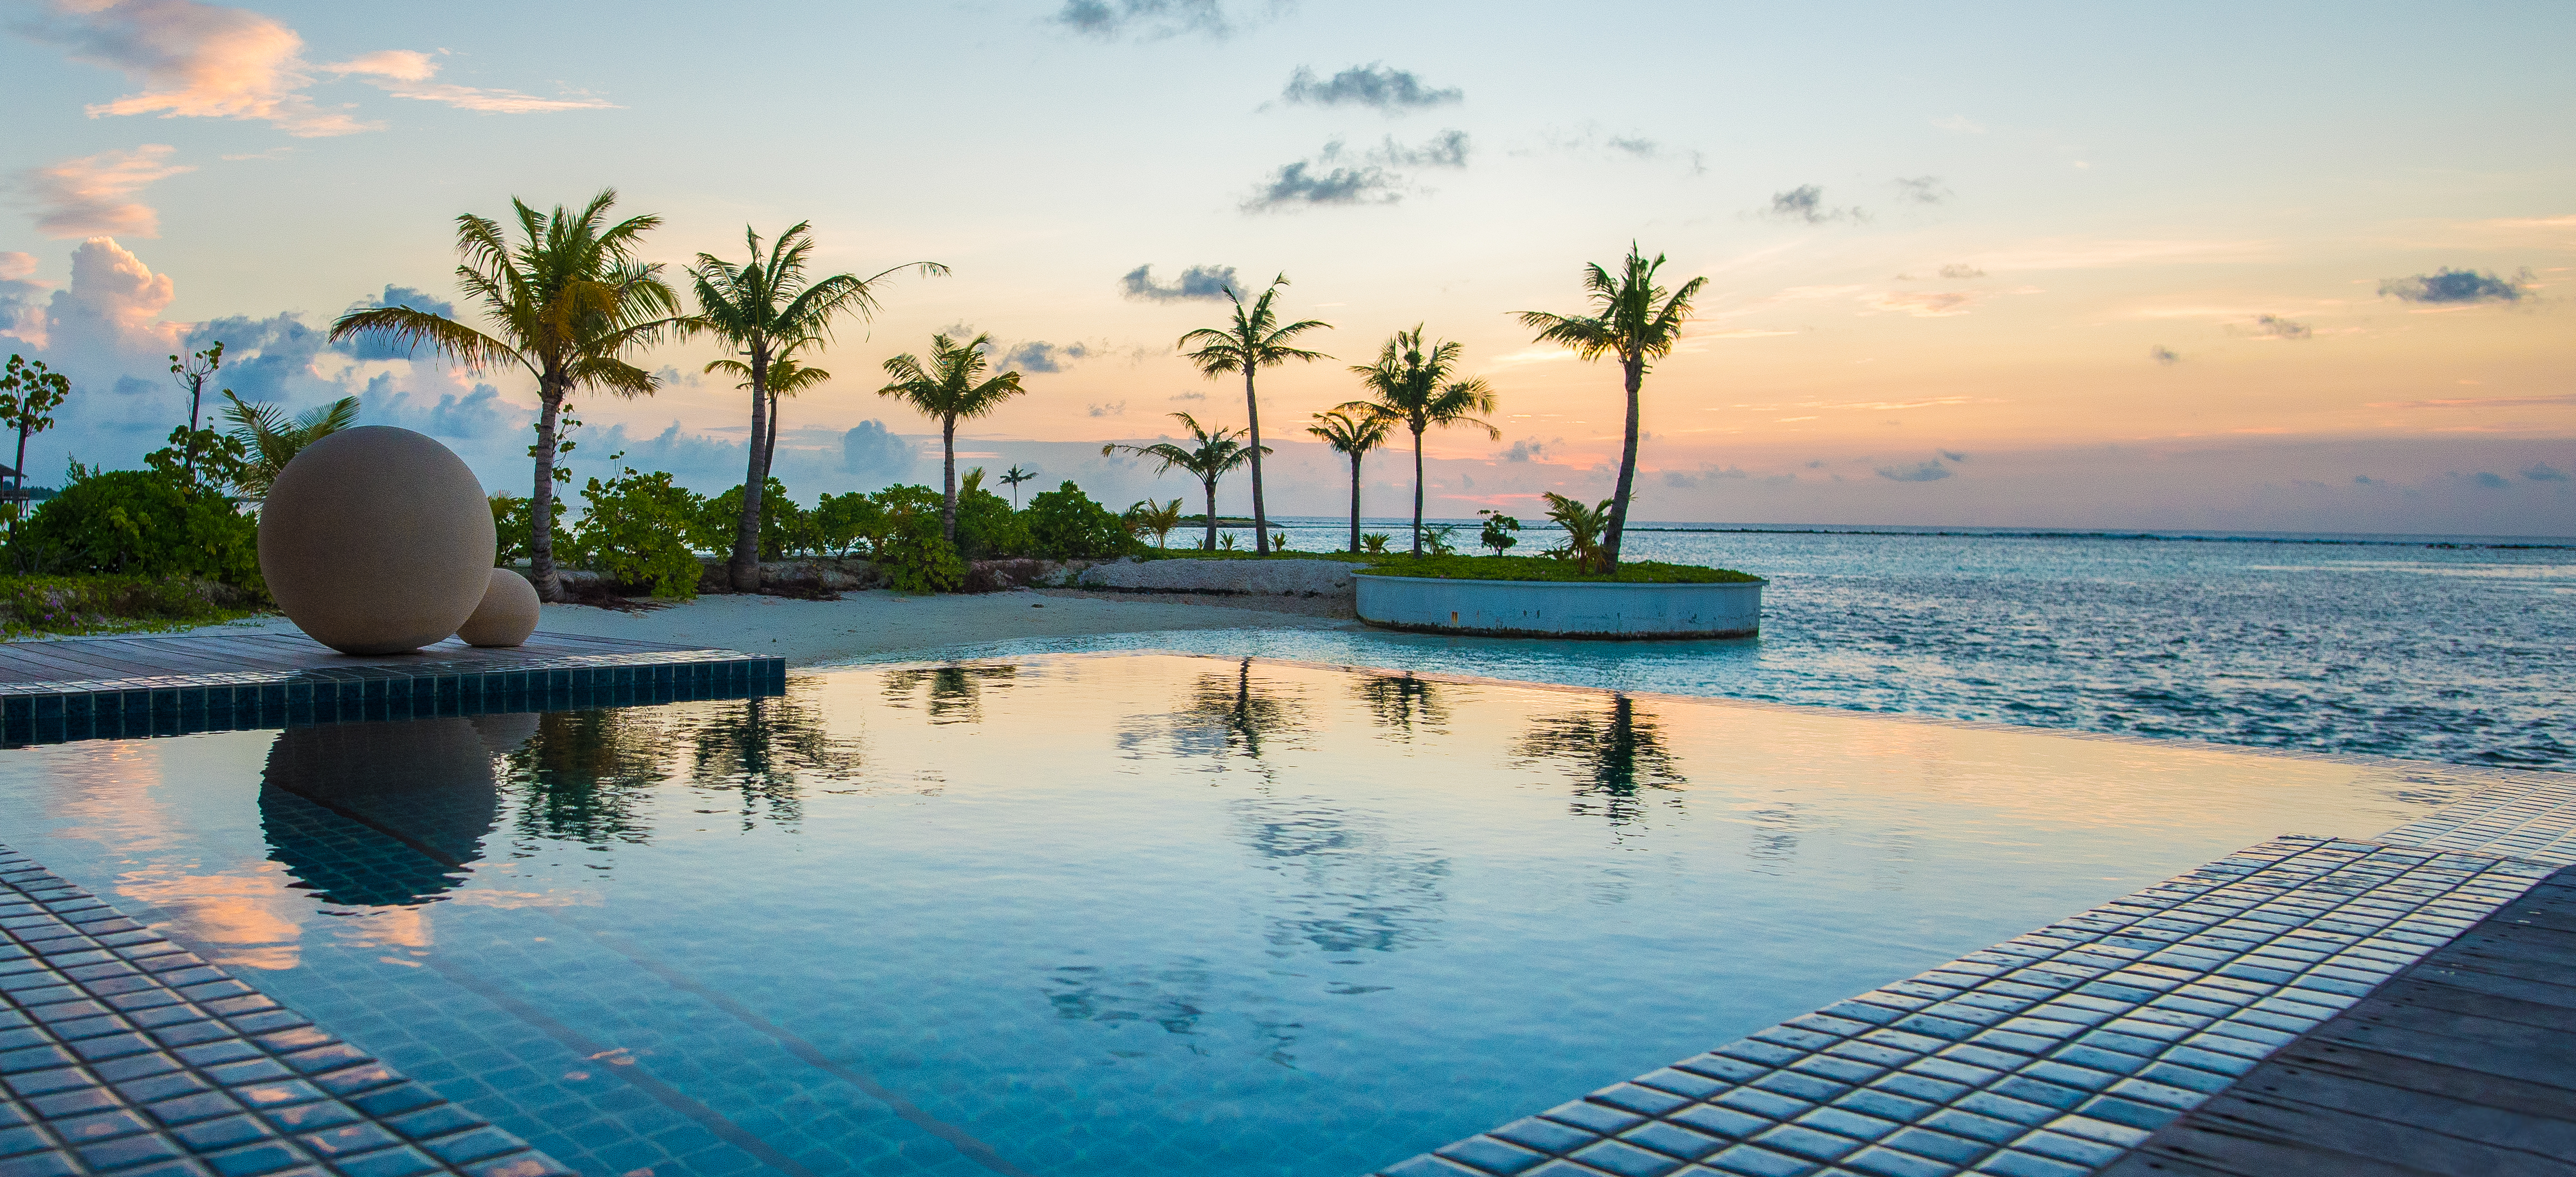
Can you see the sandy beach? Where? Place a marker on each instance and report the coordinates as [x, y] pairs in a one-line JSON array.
[[876, 623]]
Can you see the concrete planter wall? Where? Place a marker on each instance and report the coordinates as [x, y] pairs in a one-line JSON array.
[[1562, 609]]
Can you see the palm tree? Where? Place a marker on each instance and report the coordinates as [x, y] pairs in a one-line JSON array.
[[565, 303], [763, 309], [787, 377], [1414, 388], [273, 439], [1159, 518], [1012, 478], [1253, 341], [1637, 322], [1354, 433], [947, 388], [1208, 460]]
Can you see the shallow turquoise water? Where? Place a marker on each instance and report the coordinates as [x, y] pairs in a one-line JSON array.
[[2463, 653], [1111, 915]]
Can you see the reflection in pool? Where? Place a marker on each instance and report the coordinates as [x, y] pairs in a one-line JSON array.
[[1094, 915]]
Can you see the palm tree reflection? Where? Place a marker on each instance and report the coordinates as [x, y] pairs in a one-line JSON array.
[[1612, 758], [1245, 712], [1400, 701], [956, 692], [587, 777], [758, 748]]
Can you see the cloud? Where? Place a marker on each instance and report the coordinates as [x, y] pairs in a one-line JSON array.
[[1636, 145], [2447, 286], [2164, 355], [2489, 481], [1526, 450], [260, 355], [1391, 91], [868, 450], [480, 413], [1957, 271], [2482, 402], [1806, 202], [1111, 19], [1929, 471], [88, 196], [1114, 409], [1921, 190], [112, 308], [1189, 396], [198, 61], [1927, 304], [2276, 327], [1305, 184], [406, 73], [22, 315], [1208, 282], [1952, 455], [1448, 149], [1040, 356], [2544, 472]]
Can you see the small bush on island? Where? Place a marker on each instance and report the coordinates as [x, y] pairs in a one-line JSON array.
[[141, 523], [1066, 524], [635, 532]]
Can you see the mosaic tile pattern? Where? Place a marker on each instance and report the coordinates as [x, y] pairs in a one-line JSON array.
[[122, 1053], [2532, 815], [58, 712], [2048, 1055]]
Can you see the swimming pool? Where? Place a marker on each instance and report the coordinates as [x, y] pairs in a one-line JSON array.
[[1090, 915]]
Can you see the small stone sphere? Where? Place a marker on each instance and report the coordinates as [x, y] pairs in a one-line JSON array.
[[507, 615], [376, 540]]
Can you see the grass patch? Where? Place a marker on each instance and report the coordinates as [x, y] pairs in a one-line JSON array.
[[1545, 568], [81, 606]]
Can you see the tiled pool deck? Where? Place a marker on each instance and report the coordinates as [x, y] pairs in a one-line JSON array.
[[124, 1053], [55, 692], [2052, 1054]]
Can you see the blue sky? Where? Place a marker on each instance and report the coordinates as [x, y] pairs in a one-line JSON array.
[[2022, 265]]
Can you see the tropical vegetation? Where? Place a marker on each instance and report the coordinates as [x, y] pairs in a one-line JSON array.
[[947, 389], [1211, 455], [1254, 340], [566, 303], [764, 310], [1352, 434], [1635, 320], [1417, 386]]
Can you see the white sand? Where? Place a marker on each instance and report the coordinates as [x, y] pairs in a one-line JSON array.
[[875, 623]]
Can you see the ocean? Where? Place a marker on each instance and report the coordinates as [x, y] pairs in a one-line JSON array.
[[2453, 649]]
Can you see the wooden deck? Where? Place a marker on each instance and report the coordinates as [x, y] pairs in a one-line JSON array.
[[2464, 1064], [106, 688]]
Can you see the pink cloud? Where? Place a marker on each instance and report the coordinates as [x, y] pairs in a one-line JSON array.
[[91, 196], [406, 73], [200, 61]]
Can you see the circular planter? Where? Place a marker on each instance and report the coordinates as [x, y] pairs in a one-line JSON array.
[[1562, 609]]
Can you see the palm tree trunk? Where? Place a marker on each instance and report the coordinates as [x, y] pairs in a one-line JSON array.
[[1260, 518], [541, 500], [1417, 492], [1210, 484], [948, 478], [1627, 469], [769, 452], [745, 566], [1355, 504]]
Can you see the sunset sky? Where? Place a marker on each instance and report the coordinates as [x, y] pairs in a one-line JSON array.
[[2295, 268]]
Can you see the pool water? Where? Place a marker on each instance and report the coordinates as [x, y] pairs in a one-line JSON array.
[[1072, 915]]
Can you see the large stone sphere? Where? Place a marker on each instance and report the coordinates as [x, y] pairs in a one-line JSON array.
[[507, 615], [376, 540]]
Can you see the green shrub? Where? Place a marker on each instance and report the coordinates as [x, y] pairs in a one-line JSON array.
[[635, 531], [987, 528], [139, 523], [1065, 524], [841, 522], [511, 531], [719, 521]]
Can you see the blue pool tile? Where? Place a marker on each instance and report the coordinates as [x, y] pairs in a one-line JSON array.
[[1488, 1155]]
